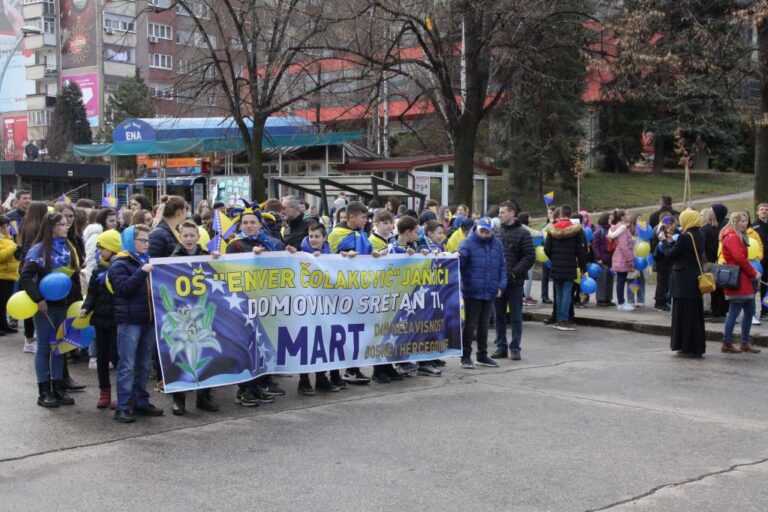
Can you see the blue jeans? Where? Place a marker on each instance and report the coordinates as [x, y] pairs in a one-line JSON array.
[[513, 296], [621, 281], [544, 282], [734, 309], [134, 350], [47, 365], [563, 296]]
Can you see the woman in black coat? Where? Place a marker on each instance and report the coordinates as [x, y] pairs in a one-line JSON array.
[[688, 336]]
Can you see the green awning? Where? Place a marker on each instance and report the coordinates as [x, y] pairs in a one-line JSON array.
[[181, 146]]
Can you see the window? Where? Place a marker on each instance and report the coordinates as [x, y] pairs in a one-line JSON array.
[[183, 66], [210, 72], [160, 61], [239, 71], [187, 38], [159, 31], [39, 118], [235, 44], [199, 10], [120, 54], [210, 100], [119, 23], [162, 91]]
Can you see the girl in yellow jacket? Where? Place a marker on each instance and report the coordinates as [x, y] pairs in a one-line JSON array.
[[9, 272]]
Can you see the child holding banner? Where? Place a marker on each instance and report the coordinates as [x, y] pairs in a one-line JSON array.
[[383, 226], [252, 238], [189, 246], [315, 243], [128, 278]]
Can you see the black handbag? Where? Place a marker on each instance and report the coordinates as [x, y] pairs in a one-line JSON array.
[[726, 276]]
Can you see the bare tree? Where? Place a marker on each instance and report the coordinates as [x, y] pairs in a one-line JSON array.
[[256, 58]]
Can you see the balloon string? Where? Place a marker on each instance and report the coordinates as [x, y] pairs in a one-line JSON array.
[[49, 320]]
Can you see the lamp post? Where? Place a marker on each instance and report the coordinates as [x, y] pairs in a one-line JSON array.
[[25, 31]]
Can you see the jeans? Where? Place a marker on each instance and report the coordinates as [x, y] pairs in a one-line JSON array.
[[48, 366], [528, 284], [106, 340], [734, 309], [134, 351], [563, 292], [477, 313], [604, 285], [513, 296], [638, 298], [621, 281], [545, 282]]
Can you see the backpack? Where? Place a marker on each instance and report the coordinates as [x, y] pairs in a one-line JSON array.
[[610, 244]]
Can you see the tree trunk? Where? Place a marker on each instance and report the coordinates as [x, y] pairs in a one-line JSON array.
[[464, 137], [761, 136], [258, 185], [658, 154]]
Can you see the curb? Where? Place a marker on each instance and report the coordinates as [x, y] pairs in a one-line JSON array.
[[625, 325]]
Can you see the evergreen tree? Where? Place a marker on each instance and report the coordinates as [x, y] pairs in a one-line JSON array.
[[131, 99], [69, 124]]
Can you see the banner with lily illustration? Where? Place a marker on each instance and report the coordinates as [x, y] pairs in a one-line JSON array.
[[224, 321]]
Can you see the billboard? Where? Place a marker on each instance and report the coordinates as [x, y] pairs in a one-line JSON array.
[[14, 137], [89, 84], [15, 86], [79, 24]]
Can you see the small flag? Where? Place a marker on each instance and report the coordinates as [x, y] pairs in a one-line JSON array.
[[549, 198], [64, 199], [634, 286], [217, 244], [222, 225], [14, 228], [109, 202], [67, 338], [765, 300]]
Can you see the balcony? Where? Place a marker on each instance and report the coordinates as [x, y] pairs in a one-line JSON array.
[[40, 101], [119, 38], [119, 69], [32, 10], [37, 41], [42, 72]]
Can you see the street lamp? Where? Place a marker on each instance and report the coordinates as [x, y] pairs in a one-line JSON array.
[[26, 30]]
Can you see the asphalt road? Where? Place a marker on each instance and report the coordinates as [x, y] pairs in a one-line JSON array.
[[590, 420]]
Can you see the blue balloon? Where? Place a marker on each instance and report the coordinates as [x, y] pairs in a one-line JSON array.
[[588, 234], [588, 286], [594, 270], [55, 286], [758, 266], [650, 259], [640, 263], [87, 335], [645, 234], [539, 240]]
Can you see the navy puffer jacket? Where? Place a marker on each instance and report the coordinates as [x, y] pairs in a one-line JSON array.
[[162, 241], [130, 286], [483, 267]]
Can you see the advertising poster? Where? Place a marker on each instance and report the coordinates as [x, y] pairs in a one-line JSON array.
[[15, 86], [14, 137], [225, 321], [78, 25], [89, 85]]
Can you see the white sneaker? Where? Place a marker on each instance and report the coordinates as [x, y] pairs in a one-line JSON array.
[[30, 348], [92, 363], [755, 321], [625, 307]]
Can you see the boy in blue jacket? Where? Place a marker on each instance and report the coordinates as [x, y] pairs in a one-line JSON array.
[[483, 277], [128, 278]]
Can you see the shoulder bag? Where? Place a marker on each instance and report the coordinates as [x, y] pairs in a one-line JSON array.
[[706, 279], [726, 276]]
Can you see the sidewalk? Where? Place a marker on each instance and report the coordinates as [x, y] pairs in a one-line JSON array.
[[643, 320]]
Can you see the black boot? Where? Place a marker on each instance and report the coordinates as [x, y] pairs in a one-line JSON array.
[[205, 402], [45, 397], [179, 407], [60, 392]]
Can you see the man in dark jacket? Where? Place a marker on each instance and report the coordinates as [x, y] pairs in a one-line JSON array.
[[718, 304], [520, 257], [296, 225], [23, 199], [566, 248], [128, 277], [761, 226], [666, 208]]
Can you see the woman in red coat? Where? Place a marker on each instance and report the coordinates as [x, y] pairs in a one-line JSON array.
[[734, 242]]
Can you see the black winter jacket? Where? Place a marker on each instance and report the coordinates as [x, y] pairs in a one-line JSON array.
[[29, 280], [710, 242], [518, 252], [762, 230], [100, 301], [684, 283], [162, 241], [181, 251], [130, 285], [566, 247], [295, 231]]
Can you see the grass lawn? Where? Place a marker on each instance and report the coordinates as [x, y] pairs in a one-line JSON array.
[[603, 191]]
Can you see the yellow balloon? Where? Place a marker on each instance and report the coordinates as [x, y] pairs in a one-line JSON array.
[[204, 237], [21, 306], [642, 249], [74, 309], [752, 250], [541, 256]]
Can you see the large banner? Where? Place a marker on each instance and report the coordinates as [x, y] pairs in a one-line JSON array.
[[78, 22], [15, 86], [89, 85], [14, 137], [220, 322]]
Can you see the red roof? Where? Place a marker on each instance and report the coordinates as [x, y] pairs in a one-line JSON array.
[[408, 163]]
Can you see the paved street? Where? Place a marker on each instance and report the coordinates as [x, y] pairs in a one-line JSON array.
[[591, 420]]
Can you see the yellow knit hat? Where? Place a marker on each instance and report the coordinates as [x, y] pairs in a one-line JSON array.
[[109, 240]]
